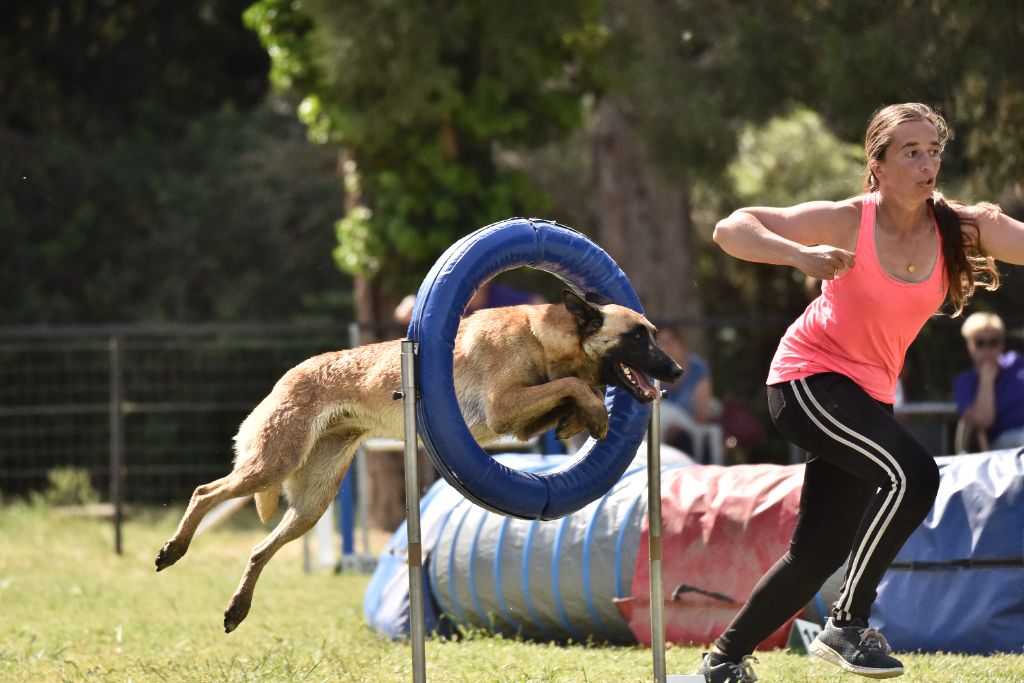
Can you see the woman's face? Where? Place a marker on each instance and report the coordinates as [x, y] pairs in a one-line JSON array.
[[911, 162]]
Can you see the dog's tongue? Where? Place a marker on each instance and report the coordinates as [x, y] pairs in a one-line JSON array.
[[645, 384]]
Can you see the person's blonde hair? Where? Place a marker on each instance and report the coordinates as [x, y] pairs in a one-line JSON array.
[[976, 322]]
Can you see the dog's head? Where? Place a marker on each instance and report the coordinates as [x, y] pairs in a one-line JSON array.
[[622, 342]]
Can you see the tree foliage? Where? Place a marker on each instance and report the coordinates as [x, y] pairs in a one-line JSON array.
[[141, 179], [421, 95], [790, 158], [845, 62], [98, 68], [793, 158]]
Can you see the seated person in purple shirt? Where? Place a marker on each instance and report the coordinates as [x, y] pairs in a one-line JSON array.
[[990, 396]]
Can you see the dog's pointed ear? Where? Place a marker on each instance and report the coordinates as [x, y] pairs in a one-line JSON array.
[[588, 316]]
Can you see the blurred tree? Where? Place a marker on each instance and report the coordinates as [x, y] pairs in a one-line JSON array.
[[845, 62], [662, 127], [683, 78], [791, 158], [232, 222], [420, 95], [140, 178], [96, 68], [686, 78]]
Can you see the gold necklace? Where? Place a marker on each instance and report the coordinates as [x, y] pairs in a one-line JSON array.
[[911, 266]]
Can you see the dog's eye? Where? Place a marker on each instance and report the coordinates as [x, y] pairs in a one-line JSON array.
[[638, 335]]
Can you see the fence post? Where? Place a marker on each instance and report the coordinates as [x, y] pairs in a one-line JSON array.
[[116, 440]]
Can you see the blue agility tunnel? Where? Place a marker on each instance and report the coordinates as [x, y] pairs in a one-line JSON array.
[[958, 583], [440, 303], [536, 579]]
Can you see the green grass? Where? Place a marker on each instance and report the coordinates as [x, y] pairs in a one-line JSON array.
[[71, 610]]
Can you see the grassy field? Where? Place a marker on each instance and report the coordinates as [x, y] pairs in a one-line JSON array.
[[71, 610]]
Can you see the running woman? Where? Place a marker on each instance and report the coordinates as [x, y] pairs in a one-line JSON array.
[[889, 259]]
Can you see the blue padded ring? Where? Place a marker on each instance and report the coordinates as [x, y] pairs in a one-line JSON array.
[[440, 302]]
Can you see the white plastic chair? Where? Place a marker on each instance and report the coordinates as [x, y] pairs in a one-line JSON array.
[[706, 437]]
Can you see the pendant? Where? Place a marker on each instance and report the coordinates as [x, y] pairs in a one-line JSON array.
[[911, 268]]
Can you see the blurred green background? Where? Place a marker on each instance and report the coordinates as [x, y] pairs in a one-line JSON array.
[[306, 161]]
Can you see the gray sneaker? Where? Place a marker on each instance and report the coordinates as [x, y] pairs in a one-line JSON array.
[[857, 648], [728, 672]]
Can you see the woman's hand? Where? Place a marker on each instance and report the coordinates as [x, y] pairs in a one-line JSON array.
[[824, 262]]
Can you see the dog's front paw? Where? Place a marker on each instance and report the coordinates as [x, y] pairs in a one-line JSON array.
[[570, 425], [597, 424]]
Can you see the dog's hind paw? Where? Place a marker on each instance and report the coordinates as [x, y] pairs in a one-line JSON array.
[[236, 612], [168, 555]]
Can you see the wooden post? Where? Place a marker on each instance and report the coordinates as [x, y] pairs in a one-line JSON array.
[[116, 440]]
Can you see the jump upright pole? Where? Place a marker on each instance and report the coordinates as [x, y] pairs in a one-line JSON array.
[[412, 514], [654, 540], [440, 303]]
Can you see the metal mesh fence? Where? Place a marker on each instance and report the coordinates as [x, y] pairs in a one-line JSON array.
[[171, 398]]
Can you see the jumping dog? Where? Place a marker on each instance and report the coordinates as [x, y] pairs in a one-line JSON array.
[[519, 370]]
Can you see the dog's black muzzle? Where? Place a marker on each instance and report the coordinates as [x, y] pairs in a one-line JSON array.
[[630, 372], [669, 371]]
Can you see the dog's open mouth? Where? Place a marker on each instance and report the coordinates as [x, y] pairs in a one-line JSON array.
[[637, 383]]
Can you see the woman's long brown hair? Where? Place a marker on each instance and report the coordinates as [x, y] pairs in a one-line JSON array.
[[967, 267]]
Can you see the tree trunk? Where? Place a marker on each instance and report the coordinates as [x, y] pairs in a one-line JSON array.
[[644, 221], [385, 469], [373, 310]]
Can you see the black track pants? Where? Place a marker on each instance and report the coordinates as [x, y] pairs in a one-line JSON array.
[[868, 484]]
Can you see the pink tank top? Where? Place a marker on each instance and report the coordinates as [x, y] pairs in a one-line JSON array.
[[863, 322]]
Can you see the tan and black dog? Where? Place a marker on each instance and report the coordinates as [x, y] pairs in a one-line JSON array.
[[519, 371]]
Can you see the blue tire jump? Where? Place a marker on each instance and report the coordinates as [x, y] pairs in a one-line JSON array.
[[440, 302]]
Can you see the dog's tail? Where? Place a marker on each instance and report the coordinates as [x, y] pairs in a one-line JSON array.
[[266, 502]]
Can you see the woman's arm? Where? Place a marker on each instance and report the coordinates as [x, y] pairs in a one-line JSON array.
[[982, 411], [702, 401], [816, 237], [1002, 237]]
